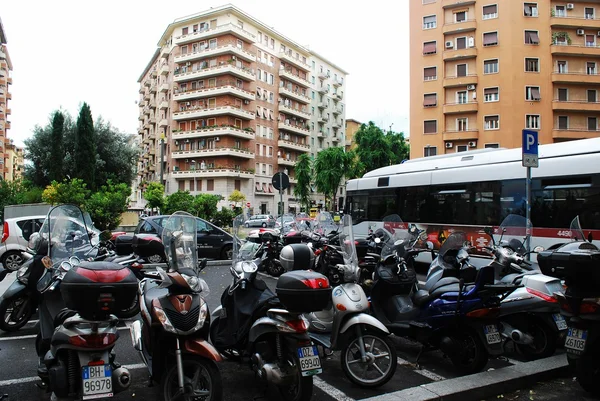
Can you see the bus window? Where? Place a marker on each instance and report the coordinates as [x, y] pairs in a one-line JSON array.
[[486, 207]]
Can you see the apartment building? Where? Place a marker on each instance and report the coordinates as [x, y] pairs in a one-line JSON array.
[[5, 96], [235, 102], [484, 70], [13, 162]]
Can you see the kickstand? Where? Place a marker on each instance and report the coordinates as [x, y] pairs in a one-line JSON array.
[[421, 351]]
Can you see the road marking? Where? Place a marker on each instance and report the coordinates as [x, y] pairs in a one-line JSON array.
[[18, 337], [327, 389], [423, 372], [35, 378]]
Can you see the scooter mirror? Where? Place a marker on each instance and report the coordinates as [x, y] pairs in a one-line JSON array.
[[377, 240], [430, 245]]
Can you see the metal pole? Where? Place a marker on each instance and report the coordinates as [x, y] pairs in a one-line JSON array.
[[281, 197], [162, 159], [528, 210]]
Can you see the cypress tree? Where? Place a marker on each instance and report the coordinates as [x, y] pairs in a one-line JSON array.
[[85, 147], [56, 145]]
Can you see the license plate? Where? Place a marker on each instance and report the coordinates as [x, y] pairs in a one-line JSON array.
[[97, 381], [575, 341], [491, 334], [310, 363], [560, 321]]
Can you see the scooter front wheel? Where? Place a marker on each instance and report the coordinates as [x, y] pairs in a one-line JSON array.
[[380, 364], [201, 381], [15, 312]]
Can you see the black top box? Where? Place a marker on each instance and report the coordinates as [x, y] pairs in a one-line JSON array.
[[303, 291], [574, 262]]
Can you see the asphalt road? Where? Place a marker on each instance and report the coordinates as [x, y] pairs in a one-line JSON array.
[[18, 363]]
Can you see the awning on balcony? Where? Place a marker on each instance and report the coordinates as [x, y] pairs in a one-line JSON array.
[[271, 188], [264, 187], [429, 48], [532, 38], [258, 187]]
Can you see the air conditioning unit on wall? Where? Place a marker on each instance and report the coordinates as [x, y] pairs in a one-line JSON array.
[[472, 144], [448, 145], [470, 87], [449, 44], [570, 6], [580, 32]]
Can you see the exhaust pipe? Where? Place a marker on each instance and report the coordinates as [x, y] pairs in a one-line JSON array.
[[516, 335], [121, 379], [136, 335]]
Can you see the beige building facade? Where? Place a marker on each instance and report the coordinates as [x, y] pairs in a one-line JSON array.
[[484, 70], [5, 96], [13, 162], [235, 102]]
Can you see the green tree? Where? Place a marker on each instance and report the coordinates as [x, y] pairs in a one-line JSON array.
[[303, 171], [330, 167], [85, 147], [372, 148], [155, 195], [116, 157], [68, 191], [179, 201], [224, 217], [236, 197], [107, 204], [205, 205], [55, 172], [399, 149]]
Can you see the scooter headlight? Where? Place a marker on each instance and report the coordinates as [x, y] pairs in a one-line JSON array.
[[22, 275], [164, 320], [196, 284]]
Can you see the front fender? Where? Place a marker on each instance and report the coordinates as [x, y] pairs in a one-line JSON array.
[[16, 288], [365, 319], [202, 348]]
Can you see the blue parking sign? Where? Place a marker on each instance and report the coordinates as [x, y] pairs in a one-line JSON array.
[[530, 148]]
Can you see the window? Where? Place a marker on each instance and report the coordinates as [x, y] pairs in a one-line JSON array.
[[461, 70], [430, 73], [210, 185], [429, 22], [430, 100], [532, 121], [563, 94], [184, 49], [490, 38], [561, 67], [590, 40], [532, 38], [491, 146], [460, 16], [532, 93], [462, 124], [462, 148], [430, 127], [184, 31], [429, 151], [490, 66], [560, 11], [212, 43], [563, 122], [461, 97], [530, 10], [561, 40], [590, 68], [490, 11], [491, 95], [492, 122], [532, 65], [430, 47], [589, 13], [461, 43], [592, 123], [592, 96]]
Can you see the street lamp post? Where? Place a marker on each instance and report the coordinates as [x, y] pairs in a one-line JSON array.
[[194, 172], [162, 158]]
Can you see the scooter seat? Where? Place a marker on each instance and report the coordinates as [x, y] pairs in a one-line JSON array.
[[514, 278], [422, 297], [151, 292], [444, 282]]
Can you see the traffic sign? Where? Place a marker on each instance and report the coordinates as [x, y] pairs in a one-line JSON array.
[[247, 204], [530, 148], [280, 181]]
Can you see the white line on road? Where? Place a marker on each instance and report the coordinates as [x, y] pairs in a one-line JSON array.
[[18, 337], [326, 388], [423, 372]]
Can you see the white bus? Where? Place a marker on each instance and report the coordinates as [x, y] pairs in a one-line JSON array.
[[479, 188]]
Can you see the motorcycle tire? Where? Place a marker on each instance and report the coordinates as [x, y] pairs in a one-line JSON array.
[[274, 268], [302, 389], [545, 340], [587, 370], [377, 345], [473, 356], [208, 385], [130, 312], [5, 308]]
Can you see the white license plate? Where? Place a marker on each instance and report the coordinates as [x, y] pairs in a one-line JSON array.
[[560, 321], [97, 381], [575, 341], [310, 363], [491, 334]]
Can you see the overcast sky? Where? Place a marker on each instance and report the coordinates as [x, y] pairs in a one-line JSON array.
[[66, 52]]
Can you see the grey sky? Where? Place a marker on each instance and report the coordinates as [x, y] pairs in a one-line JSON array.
[[66, 52]]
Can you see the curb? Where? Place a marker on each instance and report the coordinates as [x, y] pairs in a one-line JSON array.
[[483, 385]]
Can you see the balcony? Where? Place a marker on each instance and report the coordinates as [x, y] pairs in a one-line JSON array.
[[213, 32], [147, 110], [574, 50], [212, 173], [338, 96], [164, 69], [337, 110], [163, 123], [295, 112], [337, 82], [322, 119], [460, 54], [152, 120], [165, 51], [452, 81], [457, 108], [294, 95], [283, 73], [214, 132], [570, 134], [287, 56], [293, 145], [216, 91], [459, 27], [323, 90], [214, 111], [163, 105], [335, 139], [233, 152], [285, 162], [576, 78], [456, 3], [467, 135], [582, 106], [286, 126], [574, 22], [323, 75], [153, 73], [224, 68], [153, 88], [217, 51]]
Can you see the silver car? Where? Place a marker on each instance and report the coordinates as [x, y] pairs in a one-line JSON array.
[[260, 220], [15, 235]]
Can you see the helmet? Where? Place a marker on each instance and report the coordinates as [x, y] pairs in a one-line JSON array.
[[297, 257]]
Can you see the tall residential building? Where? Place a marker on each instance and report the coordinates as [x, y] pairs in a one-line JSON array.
[[352, 126], [5, 96], [13, 161], [484, 70], [235, 102]]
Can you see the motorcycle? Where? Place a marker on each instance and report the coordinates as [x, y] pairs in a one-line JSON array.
[[171, 336], [368, 356], [457, 318], [530, 316], [576, 263], [78, 328], [268, 331]]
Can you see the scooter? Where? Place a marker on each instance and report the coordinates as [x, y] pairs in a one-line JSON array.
[[530, 316], [368, 356], [171, 335]]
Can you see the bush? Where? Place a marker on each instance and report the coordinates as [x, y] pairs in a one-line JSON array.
[[224, 218]]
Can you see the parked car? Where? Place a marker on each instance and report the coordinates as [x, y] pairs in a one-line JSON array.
[[15, 235], [260, 220], [213, 242]]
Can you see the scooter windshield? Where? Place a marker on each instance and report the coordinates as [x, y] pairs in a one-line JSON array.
[[66, 233], [454, 242], [325, 225], [241, 251], [514, 230], [395, 233], [180, 241], [348, 247], [576, 230]]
